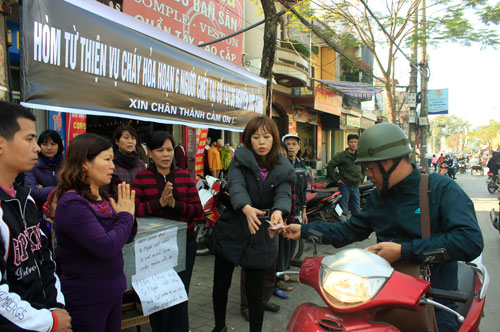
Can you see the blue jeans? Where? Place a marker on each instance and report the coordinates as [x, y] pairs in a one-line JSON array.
[[350, 199]]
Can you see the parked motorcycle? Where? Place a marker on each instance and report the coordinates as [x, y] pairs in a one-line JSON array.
[[214, 198], [365, 190], [477, 169], [462, 166], [323, 205], [421, 168], [443, 169], [492, 183], [355, 283]]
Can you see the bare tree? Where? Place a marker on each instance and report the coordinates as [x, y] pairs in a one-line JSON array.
[[270, 33]]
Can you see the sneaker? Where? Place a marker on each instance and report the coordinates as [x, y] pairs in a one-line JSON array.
[[279, 293]]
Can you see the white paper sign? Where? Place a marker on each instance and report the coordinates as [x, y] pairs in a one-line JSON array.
[[156, 252], [159, 291], [338, 209]]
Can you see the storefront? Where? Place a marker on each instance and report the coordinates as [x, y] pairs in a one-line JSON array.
[[82, 57]]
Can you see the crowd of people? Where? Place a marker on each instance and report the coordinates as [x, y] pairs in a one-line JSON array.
[[91, 194]]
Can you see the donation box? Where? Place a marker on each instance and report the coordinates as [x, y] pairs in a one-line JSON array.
[[150, 226]]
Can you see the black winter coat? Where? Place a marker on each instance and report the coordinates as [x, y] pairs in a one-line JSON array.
[[247, 187]]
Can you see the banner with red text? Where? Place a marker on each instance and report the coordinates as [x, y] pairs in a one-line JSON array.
[[76, 124], [201, 139], [195, 22]]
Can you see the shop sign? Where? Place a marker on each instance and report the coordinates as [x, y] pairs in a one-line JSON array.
[[13, 38], [305, 116], [319, 142], [366, 123], [76, 124], [57, 122], [327, 101], [438, 101], [343, 122], [353, 121], [196, 22], [201, 138], [84, 57]]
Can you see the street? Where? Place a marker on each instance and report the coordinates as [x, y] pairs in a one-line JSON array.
[[200, 303]]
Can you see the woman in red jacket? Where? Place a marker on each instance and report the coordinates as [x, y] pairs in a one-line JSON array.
[[165, 191]]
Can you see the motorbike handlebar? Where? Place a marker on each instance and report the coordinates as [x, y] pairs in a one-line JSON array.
[[448, 295]]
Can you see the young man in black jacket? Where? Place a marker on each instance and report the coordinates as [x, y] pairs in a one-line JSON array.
[[30, 293]]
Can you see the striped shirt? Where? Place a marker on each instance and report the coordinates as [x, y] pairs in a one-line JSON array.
[[149, 185]]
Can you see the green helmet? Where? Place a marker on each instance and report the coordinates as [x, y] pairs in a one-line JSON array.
[[381, 142]]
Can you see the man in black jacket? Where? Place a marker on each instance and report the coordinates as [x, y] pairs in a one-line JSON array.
[[494, 163], [30, 293], [292, 141]]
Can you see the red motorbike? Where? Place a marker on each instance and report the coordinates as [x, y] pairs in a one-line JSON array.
[[355, 283]]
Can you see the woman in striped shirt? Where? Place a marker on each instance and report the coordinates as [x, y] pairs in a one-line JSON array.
[[165, 191]]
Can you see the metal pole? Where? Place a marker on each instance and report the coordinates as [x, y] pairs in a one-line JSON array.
[[424, 79], [412, 116]]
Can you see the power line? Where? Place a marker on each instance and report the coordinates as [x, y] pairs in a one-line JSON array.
[[392, 40], [278, 14], [328, 41]]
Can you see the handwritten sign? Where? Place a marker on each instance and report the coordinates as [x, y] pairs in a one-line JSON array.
[[156, 252], [159, 291]]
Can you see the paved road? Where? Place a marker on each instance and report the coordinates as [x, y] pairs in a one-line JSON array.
[[200, 303]]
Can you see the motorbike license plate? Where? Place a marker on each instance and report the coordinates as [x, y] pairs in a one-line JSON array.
[[338, 209]]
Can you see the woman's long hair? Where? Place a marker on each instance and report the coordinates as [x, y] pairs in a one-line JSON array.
[[272, 158], [53, 135], [72, 176]]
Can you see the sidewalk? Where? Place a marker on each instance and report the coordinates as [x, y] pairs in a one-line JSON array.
[[200, 297]]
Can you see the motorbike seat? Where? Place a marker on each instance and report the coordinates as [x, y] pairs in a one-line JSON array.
[[316, 197], [365, 186], [466, 284]]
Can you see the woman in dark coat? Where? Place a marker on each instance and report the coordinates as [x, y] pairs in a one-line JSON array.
[[42, 179], [259, 180], [126, 159]]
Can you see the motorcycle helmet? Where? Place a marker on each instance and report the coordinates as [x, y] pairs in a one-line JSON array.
[[290, 136], [383, 141]]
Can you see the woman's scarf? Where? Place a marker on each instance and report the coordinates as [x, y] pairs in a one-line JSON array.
[[126, 160]]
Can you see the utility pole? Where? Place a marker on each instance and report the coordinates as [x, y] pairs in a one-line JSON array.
[[424, 79], [412, 94]]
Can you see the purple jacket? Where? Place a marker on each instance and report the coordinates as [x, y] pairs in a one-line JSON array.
[[89, 248], [44, 175]]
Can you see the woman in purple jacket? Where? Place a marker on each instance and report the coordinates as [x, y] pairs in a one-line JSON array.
[[91, 232], [43, 177]]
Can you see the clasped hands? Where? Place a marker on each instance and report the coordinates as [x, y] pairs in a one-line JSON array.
[[125, 199], [252, 214], [167, 196]]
